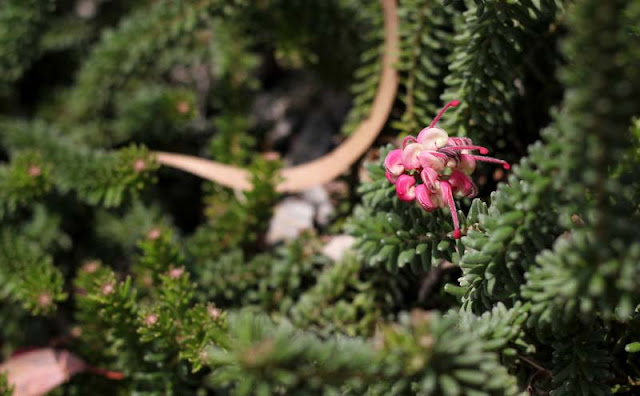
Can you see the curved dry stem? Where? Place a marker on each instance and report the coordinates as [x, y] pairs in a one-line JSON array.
[[335, 163]]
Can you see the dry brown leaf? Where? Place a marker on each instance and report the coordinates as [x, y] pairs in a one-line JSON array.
[[330, 166], [38, 371]]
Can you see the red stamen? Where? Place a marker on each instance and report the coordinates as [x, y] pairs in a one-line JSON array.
[[453, 103], [445, 187], [408, 139], [483, 150], [438, 154], [114, 375], [504, 164], [460, 141]]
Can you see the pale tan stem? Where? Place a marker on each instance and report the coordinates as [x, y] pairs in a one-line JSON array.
[[227, 175], [335, 163]]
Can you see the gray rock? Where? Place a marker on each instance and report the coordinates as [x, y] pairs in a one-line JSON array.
[[337, 246], [290, 218]]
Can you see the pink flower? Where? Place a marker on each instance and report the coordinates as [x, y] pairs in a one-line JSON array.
[[433, 160], [430, 177], [433, 138], [405, 188], [429, 200], [462, 185], [410, 156], [444, 164], [448, 197], [393, 165], [458, 149]]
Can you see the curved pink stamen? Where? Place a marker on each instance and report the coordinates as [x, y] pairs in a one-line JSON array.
[[453, 103], [408, 139], [424, 198], [459, 141], [447, 195], [437, 154], [504, 164], [483, 150]]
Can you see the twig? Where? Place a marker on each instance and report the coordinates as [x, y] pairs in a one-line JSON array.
[[335, 163]]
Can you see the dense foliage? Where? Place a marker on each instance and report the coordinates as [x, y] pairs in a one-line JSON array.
[[172, 282]]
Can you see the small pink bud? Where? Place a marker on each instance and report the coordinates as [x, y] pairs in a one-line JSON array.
[[34, 171], [107, 288], [154, 233], [271, 155], [76, 331], [175, 273], [44, 300], [405, 188], [139, 165], [183, 107], [90, 266], [576, 219], [147, 280], [203, 355], [151, 319], [214, 312]]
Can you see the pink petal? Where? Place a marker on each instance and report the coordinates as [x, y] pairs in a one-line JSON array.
[[462, 185], [433, 138], [467, 164], [433, 160], [410, 156], [408, 139], [393, 162], [405, 188], [391, 177], [427, 199], [430, 178]]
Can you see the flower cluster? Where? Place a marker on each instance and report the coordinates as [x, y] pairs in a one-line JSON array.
[[433, 168]]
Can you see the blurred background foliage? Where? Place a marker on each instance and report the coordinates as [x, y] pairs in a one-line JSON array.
[[187, 287]]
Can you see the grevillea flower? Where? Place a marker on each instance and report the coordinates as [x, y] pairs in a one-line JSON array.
[[393, 165], [405, 188], [432, 168]]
